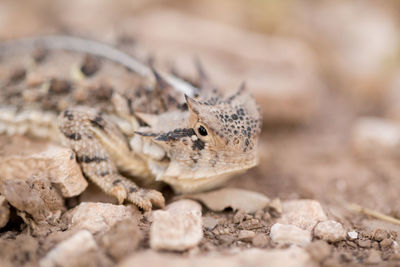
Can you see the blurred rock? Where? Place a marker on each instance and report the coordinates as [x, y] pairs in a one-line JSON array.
[[246, 235], [374, 257], [386, 244], [73, 251], [380, 234], [302, 213], [330, 231], [319, 250], [18, 251], [295, 257], [289, 234], [279, 71], [36, 197], [56, 163], [178, 228], [260, 240], [376, 137], [122, 239], [4, 211], [99, 217], [237, 199], [209, 223]]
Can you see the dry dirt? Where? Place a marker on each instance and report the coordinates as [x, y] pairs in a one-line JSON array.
[[310, 158]]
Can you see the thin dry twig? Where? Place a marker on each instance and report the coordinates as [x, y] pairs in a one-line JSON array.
[[373, 213]]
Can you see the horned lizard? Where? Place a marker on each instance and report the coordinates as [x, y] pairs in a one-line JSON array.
[[123, 119]]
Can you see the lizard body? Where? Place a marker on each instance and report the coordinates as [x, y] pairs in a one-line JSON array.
[[155, 127]]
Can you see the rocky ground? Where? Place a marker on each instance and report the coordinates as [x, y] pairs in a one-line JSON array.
[[326, 76]]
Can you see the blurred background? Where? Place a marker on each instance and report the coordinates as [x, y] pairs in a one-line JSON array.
[[325, 73]]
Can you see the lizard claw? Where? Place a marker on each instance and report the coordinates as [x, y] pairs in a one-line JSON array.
[[145, 199]]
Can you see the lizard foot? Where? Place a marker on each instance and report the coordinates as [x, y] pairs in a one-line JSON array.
[[78, 126], [124, 189]]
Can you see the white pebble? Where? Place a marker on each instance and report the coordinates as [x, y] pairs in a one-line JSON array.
[[178, 228], [290, 234], [331, 231], [352, 235]]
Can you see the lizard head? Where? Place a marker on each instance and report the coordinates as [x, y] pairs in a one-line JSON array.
[[218, 138]]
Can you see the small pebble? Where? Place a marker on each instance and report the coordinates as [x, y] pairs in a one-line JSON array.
[[276, 206], [352, 235], [319, 250], [267, 217], [71, 251], [209, 223], [250, 224], [99, 217], [177, 228], [330, 231], [246, 235], [226, 239], [386, 244], [302, 213], [259, 214], [239, 216], [260, 240], [364, 243], [380, 234], [289, 234]]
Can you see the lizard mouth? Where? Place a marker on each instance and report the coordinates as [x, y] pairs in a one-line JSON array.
[[190, 181]]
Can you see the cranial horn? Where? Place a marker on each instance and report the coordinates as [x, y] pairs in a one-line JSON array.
[[162, 83]]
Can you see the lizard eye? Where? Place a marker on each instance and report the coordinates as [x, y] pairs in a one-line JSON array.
[[202, 131]]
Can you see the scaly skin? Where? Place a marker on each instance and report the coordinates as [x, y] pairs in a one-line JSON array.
[[154, 128]]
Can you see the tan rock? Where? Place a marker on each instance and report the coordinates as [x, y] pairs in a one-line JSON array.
[[56, 163], [237, 199], [122, 239], [4, 211], [70, 252], [246, 235], [99, 217], [64, 171], [179, 227], [330, 231], [302, 213], [289, 234], [209, 223], [34, 196]]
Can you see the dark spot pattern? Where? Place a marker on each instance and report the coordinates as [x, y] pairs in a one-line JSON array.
[[115, 182], [68, 115], [198, 145], [88, 159], [97, 122], [132, 189], [73, 136], [176, 134]]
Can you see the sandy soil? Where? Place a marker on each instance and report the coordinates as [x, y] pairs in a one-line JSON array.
[[310, 158]]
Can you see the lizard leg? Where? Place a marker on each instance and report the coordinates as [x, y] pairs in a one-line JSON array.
[[78, 127]]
